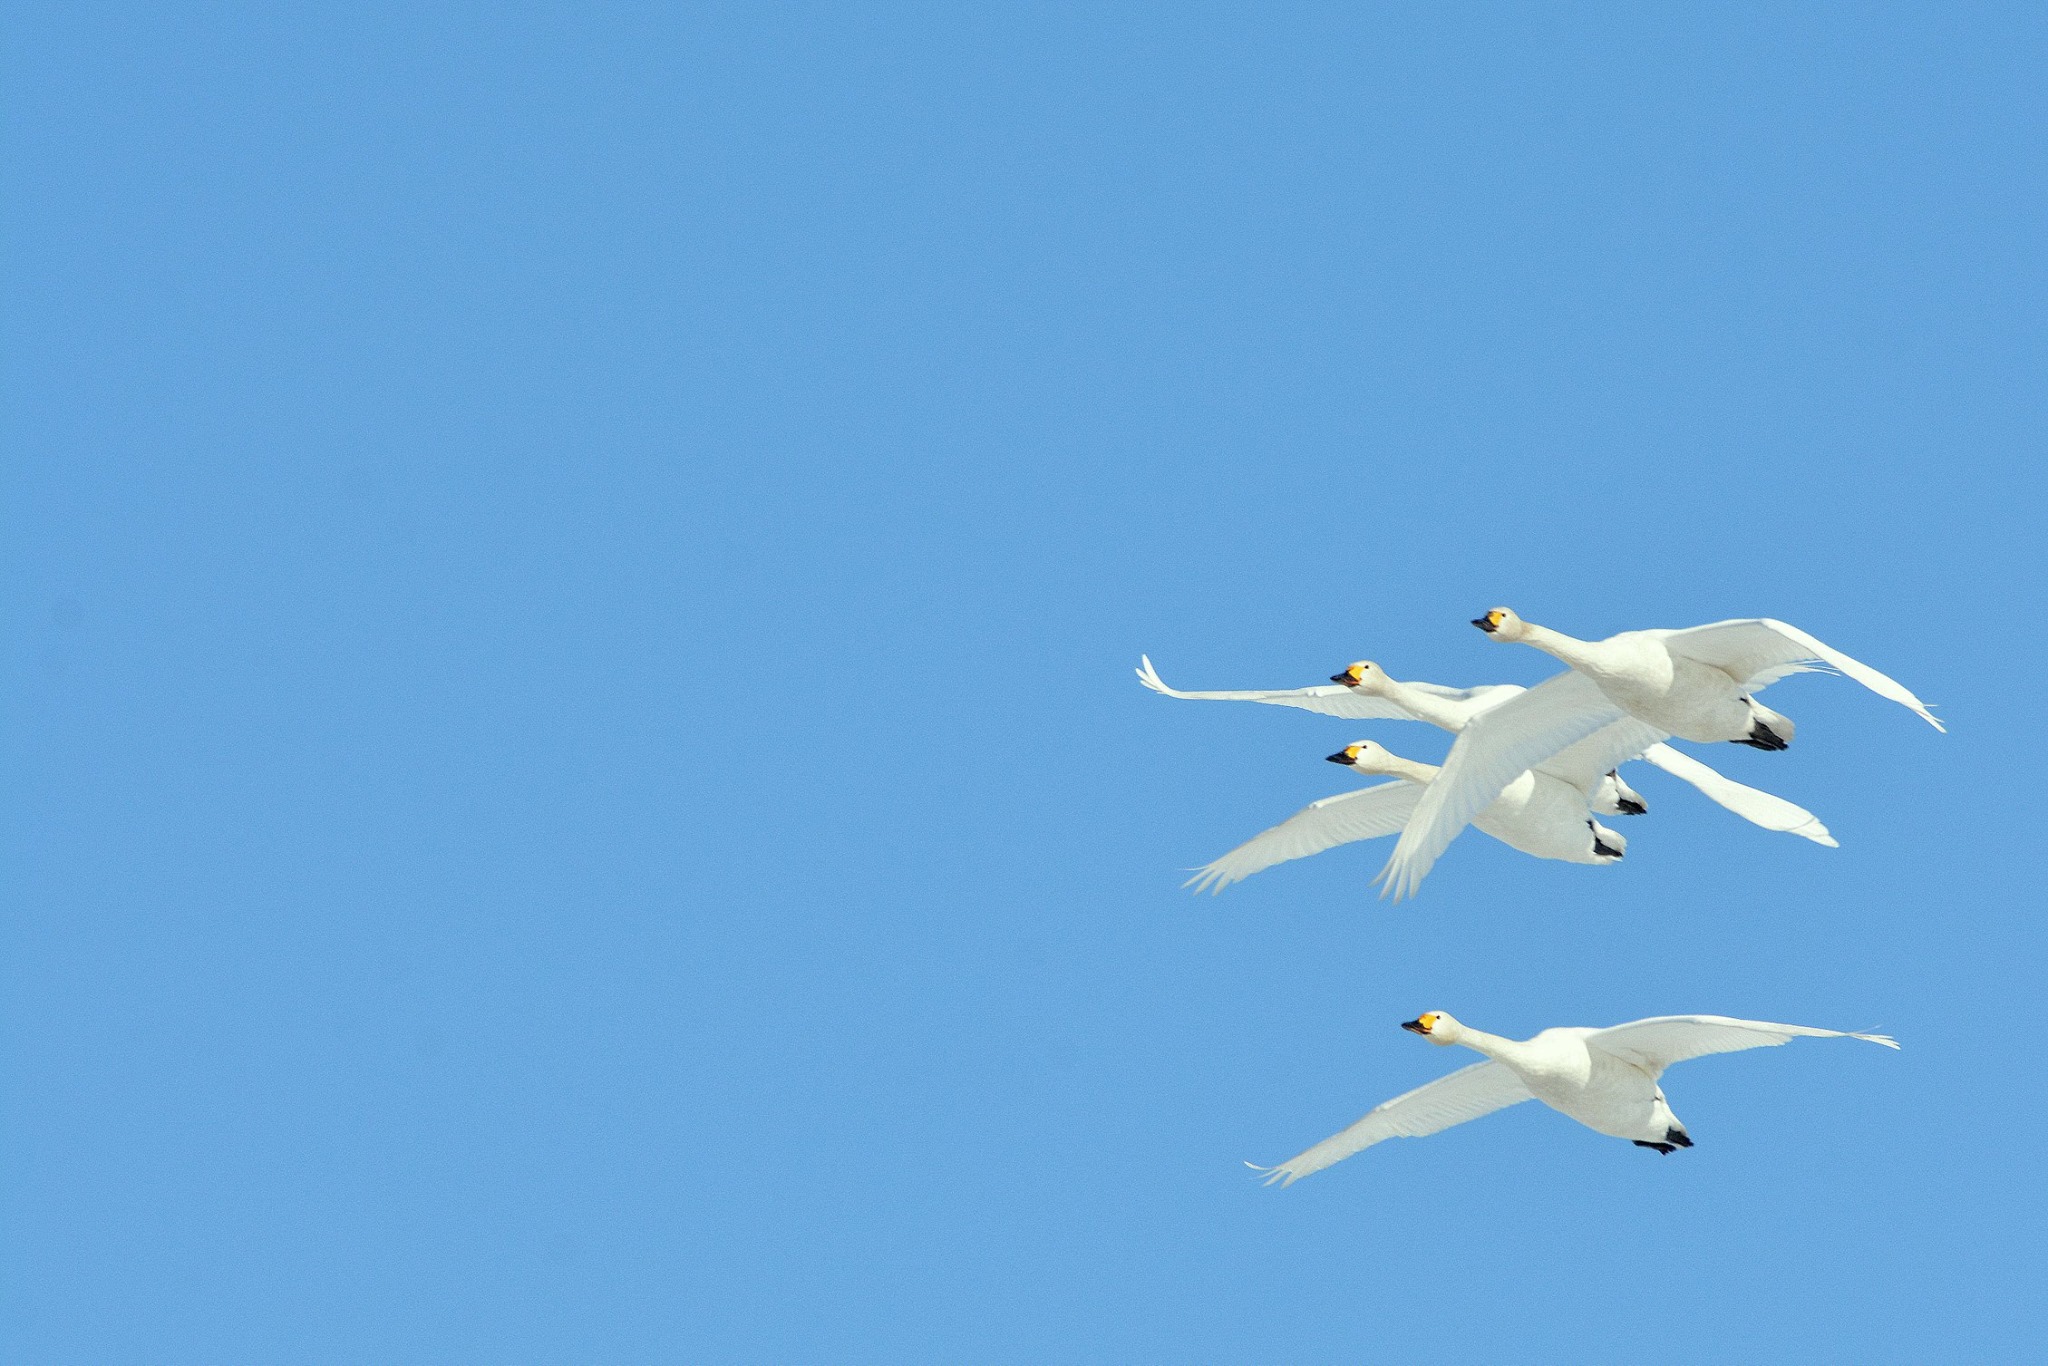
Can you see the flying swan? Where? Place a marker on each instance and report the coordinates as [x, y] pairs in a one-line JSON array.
[[1696, 684], [1538, 813], [1364, 692], [1606, 1079]]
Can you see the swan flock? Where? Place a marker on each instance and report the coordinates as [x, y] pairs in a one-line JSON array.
[[1536, 769]]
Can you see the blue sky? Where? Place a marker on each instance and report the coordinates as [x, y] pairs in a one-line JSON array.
[[575, 791]]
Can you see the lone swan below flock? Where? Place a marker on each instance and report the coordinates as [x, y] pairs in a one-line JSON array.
[[1606, 1079]]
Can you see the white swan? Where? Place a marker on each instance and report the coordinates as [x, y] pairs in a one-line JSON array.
[[1538, 813], [1694, 683], [1606, 1079], [1365, 692]]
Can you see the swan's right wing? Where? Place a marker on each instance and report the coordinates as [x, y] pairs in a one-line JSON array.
[[1494, 749], [1366, 814], [1654, 1044], [1467, 1094], [1761, 650], [1584, 762], [1756, 807], [1331, 699]]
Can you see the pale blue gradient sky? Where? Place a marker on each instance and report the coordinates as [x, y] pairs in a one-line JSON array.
[[574, 786]]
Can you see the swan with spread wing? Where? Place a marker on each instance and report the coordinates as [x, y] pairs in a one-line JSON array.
[[1606, 1079], [1633, 688], [1540, 813]]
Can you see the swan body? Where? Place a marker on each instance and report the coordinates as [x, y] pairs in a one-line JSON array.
[[1606, 1079], [1544, 816], [1537, 813], [1634, 688], [1363, 691]]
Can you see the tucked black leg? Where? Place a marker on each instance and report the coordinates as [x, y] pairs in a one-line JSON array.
[[1664, 1148], [1762, 736]]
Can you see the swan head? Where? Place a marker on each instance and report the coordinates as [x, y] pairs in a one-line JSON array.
[[1434, 1025], [1364, 675], [1502, 624], [1364, 756]]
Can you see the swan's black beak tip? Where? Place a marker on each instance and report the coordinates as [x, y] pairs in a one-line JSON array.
[[1342, 678], [1340, 757], [1414, 1027], [1485, 624]]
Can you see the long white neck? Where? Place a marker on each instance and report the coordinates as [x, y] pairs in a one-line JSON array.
[[1492, 1045], [1572, 651], [1394, 766], [1424, 707]]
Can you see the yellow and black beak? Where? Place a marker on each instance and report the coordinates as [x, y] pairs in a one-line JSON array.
[[1415, 1027], [1346, 755], [1488, 623], [1349, 678]]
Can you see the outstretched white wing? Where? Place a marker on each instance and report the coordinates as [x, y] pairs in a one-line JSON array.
[[1467, 1094], [1366, 814], [1760, 651], [1656, 1043], [1331, 699], [1755, 806], [1492, 751]]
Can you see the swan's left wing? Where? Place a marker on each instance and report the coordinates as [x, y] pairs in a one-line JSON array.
[[1362, 815], [1464, 1095], [1760, 651], [1330, 699], [1654, 1044], [1494, 749], [1752, 804]]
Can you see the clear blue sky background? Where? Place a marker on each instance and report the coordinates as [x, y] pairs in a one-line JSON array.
[[574, 787]]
